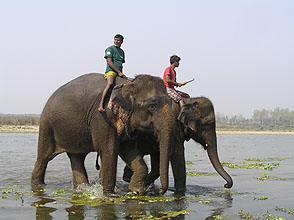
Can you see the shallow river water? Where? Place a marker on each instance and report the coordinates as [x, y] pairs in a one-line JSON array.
[[261, 166]]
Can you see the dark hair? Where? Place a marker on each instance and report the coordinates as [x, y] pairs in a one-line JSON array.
[[174, 58], [119, 36]]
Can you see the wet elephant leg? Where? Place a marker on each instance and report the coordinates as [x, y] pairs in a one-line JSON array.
[[134, 160], [47, 150], [108, 168], [154, 173], [79, 173], [179, 169]]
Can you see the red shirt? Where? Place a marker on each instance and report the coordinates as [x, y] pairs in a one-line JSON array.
[[172, 75]]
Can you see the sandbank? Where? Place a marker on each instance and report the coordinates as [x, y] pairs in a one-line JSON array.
[[35, 129]]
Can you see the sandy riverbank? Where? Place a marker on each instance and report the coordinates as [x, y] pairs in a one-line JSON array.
[[19, 129], [256, 132], [35, 129]]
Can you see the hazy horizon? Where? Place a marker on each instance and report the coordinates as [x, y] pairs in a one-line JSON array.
[[241, 53]]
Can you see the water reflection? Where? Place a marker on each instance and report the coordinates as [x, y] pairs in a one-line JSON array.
[[43, 212], [76, 212]]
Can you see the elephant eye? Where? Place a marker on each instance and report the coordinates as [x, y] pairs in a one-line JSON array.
[[152, 107]]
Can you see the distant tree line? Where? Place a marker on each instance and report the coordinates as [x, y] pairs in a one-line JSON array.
[[276, 120], [19, 120]]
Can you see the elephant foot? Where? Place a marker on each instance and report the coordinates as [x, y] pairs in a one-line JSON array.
[[178, 194], [137, 189], [162, 191], [37, 183], [110, 194]]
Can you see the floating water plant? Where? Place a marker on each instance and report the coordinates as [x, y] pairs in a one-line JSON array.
[[58, 192], [263, 166], [250, 216], [261, 198], [264, 177], [200, 174], [189, 162], [289, 211]]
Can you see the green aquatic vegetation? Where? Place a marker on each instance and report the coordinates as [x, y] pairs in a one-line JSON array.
[[188, 162], [275, 158], [160, 215], [247, 215], [171, 214], [254, 159], [6, 191], [289, 211], [266, 159], [146, 198], [203, 200], [58, 192], [86, 199], [218, 217], [264, 177], [250, 216], [200, 174], [263, 166], [261, 198], [94, 202]]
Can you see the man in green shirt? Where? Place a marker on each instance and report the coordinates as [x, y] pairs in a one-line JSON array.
[[115, 57]]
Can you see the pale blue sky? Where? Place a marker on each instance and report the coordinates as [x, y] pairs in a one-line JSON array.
[[241, 53]]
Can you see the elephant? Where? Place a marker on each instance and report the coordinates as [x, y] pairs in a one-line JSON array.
[[195, 120], [70, 122]]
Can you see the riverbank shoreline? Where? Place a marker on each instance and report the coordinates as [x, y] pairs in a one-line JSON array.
[[35, 129]]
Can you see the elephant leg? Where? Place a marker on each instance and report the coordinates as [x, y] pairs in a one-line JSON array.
[[135, 161], [47, 150], [108, 170], [79, 173], [127, 174], [154, 173], [179, 169]]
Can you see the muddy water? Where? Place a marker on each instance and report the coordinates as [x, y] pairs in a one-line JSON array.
[[261, 167]]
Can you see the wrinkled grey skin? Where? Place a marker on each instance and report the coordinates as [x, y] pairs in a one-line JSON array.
[[71, 123], [196, 120]]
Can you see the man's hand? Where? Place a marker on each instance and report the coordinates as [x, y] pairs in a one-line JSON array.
[[182, 84], [120, 74]]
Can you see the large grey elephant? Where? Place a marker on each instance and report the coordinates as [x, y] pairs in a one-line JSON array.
[[195, 120], [71, 123]]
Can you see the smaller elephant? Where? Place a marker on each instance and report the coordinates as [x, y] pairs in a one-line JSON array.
[[195, 120], [71, 123]]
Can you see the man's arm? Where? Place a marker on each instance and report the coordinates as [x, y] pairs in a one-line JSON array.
[[112, 66], [169, 81]]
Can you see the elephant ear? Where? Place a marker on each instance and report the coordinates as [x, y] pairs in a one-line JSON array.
[[121, 105], [189, 115]]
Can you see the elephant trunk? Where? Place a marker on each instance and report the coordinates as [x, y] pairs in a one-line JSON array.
[[165, 146], [214, 159]]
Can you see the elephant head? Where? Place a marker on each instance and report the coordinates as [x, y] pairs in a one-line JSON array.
[[143, 106], [198, 120]]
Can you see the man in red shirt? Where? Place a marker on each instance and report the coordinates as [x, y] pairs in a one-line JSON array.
[[169, 79]]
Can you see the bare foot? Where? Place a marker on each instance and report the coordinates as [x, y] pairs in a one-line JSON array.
[[101, 109]]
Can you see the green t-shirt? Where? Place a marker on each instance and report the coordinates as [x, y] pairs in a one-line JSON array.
[[117, 56]]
